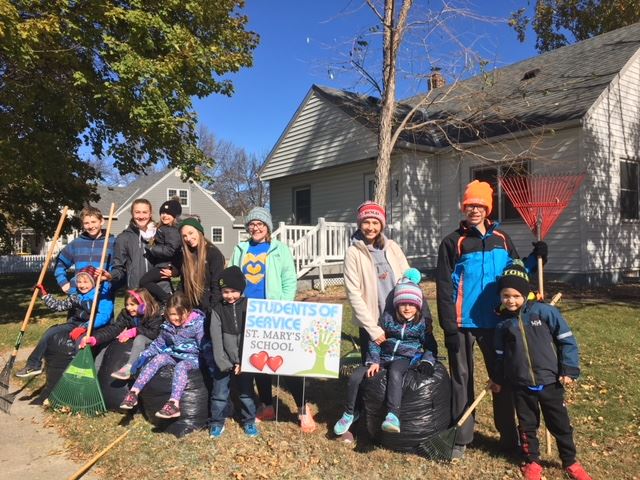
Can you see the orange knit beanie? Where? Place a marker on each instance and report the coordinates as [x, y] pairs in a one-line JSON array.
[[478, 193]]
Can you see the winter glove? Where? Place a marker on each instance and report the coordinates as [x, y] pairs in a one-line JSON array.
[[541, 250], [138, 364], [77, 332], [126, 334], [426, 368], [91, 341], [40, 287], [452, 342]]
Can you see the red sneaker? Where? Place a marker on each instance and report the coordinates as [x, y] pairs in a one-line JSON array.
[[576, 472], [531, 471]]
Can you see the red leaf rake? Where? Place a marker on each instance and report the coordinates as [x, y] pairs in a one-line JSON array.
[[540, 200]]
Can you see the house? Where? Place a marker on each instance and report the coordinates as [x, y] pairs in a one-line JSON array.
[[157, 187], [574, 109]]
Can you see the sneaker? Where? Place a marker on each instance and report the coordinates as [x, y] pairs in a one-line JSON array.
[[123, 374], [216, 431], [342, 426], [170, 410], [531, 471], [457, 453], [265, 413], [307, 423], [577, 472], [28, 372], [250, 430], [391, 423], [130, 401]]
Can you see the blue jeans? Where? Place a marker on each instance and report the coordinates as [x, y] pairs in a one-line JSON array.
[[35, 359], [220, 396]]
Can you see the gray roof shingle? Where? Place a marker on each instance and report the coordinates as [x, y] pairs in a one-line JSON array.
[[120, 195], [563, 85]]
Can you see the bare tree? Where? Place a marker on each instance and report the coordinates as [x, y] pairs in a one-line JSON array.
[[234, 177]]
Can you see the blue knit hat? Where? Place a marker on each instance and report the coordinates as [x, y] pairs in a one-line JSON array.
[[262, 215], [407, 292]]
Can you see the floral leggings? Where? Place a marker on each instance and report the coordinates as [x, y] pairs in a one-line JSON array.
[[180, 373]]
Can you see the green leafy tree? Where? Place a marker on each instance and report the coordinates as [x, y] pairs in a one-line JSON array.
[[105, 79], [322, 339], [560, 22]]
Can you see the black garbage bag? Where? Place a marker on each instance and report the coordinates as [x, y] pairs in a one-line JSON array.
[[114, 390], [425, 409], [60, 351], [194, 404]]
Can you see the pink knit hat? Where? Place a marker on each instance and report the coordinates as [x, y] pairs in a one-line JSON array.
[[371, 209]]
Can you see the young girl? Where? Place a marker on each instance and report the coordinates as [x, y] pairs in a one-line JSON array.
[[163, 250], [139, 320], [406, 332], [178, 344]]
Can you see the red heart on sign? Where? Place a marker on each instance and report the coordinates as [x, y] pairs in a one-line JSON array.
[[259, 359], [275, 363]]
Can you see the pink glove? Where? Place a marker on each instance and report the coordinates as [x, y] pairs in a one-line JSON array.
[[127, 333], [91, 341]]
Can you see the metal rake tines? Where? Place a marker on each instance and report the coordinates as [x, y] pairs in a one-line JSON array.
[[541, 199]]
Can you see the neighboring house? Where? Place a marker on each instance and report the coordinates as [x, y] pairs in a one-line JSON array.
[[574, 109], [157, 187]]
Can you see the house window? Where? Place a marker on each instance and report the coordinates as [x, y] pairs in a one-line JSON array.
[[503, 208], [629, 188], [369, 187], [181, 193], [243, 236], [302, 206], [217, 234]]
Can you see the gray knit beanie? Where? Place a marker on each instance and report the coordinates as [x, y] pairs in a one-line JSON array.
[[262, 215]]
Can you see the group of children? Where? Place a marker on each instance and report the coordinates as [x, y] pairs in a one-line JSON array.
[[537, 353]]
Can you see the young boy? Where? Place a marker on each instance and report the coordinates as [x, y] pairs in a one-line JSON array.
[[85, 250], [79, 307], [537, 355], [227, 330]]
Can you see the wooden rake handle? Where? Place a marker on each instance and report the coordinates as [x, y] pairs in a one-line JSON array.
[[43, 272], [97, 457], [472, 407], [105, 247]]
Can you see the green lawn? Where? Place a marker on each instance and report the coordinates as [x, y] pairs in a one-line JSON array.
[[604, 405]]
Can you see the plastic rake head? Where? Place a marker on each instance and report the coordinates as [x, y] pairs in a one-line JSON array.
[[438, 447], [541, 199]]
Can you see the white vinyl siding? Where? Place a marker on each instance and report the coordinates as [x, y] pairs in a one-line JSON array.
[[611, 134], [320, 135]]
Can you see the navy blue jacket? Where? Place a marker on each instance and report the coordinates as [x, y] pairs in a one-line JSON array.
[[534, 346]]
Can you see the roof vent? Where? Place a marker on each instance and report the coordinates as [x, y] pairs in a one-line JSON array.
[[530, 74]]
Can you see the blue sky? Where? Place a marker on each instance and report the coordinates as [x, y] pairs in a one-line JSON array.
[[300, 43]]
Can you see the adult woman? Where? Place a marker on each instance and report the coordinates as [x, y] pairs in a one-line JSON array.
[[372, 265], [202, 264], [270, 273], [129, 259]]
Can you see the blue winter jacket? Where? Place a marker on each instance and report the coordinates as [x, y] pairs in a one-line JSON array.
[[79, 306], [82, 252], [469, 265], [182, 343], [404, 340], [534, 346]]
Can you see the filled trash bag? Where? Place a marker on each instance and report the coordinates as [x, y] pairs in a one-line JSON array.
[[114, 390], [194, 405], [60, 351], [425, 408]]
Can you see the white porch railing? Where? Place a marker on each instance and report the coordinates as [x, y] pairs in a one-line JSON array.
[[22, 263], [316, 246]]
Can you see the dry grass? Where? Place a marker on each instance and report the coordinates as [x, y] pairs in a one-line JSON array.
[[605, 408]]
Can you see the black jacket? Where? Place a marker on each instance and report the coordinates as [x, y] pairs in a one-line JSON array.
[[213, 268], [166, 246], [227, 330], [149, 327]]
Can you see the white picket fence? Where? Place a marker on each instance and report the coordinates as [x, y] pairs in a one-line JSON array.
[[22, 263]]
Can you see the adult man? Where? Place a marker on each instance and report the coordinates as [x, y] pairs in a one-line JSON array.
[[470, 260]]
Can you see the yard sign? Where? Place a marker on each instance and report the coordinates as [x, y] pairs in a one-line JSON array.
[[292, 338]]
